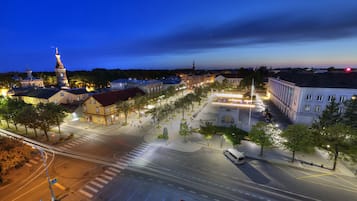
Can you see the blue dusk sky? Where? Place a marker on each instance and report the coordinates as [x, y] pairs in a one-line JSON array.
[[165, 34]]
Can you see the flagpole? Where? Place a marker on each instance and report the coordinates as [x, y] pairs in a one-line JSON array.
[[251, 102]]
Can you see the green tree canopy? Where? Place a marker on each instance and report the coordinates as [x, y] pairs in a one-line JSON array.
[[338, 138], [350, 114], [298, 138], [261, 134]]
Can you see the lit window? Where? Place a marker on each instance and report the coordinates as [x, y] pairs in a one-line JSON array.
[[97, 110], [84, 108], [317, 108], [340, 110], [307, 108], [329, 99], [319, 98], [308, 97]]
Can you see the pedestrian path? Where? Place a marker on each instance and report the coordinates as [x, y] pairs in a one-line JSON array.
[[96, 184], [75, 142]]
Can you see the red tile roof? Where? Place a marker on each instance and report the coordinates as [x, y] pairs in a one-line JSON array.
[[111, 97]]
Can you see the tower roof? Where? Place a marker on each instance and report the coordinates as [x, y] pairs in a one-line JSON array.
[[59, 63]]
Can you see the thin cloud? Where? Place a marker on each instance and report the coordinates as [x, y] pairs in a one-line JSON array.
[[274, 29]]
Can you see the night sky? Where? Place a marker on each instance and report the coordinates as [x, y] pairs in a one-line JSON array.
[[171, 34]]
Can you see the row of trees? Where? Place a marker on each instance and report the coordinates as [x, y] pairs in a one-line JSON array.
[[42, 116], [334, 131]]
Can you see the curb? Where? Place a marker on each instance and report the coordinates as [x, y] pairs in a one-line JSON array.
[[289, 164]]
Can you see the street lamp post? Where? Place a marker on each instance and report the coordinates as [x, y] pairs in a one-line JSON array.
[[53, 197]]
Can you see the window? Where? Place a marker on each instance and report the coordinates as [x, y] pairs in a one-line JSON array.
[[308, 97], [317, 108], [329, 99], [340, 110], [319, 98], [342, 99], [84, 108], [106, 110], [97, 110], [62, 94], [307, 108]]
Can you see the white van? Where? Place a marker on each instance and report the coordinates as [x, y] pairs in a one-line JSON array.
[[235, 156]]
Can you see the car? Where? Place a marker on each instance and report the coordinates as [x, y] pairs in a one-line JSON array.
[[235, 156]]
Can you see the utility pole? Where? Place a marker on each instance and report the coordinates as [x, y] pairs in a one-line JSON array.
[[53, 198]]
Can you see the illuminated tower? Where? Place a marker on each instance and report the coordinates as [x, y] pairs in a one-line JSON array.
[[61, 75]]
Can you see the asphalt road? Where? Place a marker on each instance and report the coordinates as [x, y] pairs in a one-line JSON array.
[[163, 174]]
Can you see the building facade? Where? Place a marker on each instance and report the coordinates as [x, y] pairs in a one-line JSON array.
[[150, 87], [232, 79], [101, 108], [31, 81], [302, 98]]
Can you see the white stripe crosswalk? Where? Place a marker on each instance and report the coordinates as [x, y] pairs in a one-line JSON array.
[[93, 187]]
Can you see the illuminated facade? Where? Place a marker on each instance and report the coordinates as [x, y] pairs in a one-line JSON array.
[[303, 97], [101, 108], [31, 81], [60, 70]]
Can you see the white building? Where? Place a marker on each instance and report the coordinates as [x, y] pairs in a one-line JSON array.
[[233, 79], [148, 86], [303, 96]]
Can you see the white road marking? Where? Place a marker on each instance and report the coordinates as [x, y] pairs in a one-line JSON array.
[[86, 193], [114, 170], [91, 188], [28, 164], [101, 180], [106, 176], [33, 161], [96, 184], [110, 173], [67, 146]]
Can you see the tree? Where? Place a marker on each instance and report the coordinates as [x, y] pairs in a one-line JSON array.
[[14, 107], [125, 107], [338, 138], [25, 116], [59, 113], [184, 129], [46, 119], [139, 103], [329, 116], [350, 115], [298, 138], [4, 111], [34, 122], [261, 135]]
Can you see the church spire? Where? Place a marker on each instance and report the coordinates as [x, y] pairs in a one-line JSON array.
[[193, 65]]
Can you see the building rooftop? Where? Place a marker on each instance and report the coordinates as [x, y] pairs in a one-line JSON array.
[[77, 91], [111, 97], [321, 80], [44, 93], [235, 75]]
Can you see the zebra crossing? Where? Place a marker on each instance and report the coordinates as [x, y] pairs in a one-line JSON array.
[[75, 142], [93, 186], [33, 162]]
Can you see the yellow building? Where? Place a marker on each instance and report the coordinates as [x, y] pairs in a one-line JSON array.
[[51, 95], [101, 108]]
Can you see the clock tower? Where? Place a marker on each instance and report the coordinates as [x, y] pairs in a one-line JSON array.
[[60, 70]]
